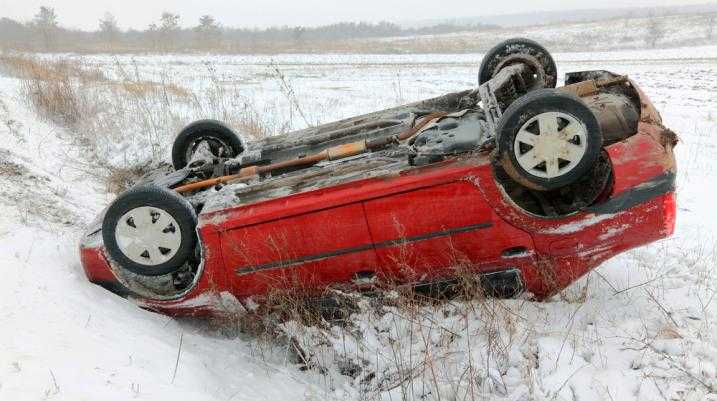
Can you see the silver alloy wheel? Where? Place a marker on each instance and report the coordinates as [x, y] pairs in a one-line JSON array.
[[550, 144], [147, 235]]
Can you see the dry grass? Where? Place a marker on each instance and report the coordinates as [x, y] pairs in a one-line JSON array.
[[50, 86], [388, 339], [121, 127], [121, 179], [31, 67], [146, 88]]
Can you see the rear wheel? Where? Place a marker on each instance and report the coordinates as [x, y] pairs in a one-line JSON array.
[[150, 231], [542, 72], [548, 139], [211, 136]]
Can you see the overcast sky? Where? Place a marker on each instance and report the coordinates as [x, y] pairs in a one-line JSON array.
[[261, 13]]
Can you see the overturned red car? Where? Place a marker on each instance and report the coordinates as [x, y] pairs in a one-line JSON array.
[[522, 184]]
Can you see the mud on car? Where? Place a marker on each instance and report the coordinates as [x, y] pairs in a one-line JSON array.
[[525, 185]]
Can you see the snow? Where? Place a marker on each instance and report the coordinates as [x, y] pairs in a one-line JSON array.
[[613, 231], [580, 224], [603, 35], [641, 327]]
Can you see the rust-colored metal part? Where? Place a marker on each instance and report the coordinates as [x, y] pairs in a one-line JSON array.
[[415, 129], [593, 86], [617, 114], [208, 183], [347, 150]]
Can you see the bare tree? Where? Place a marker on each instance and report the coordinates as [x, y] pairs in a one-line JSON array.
[[298, 34], [169, 28], [46, 22], [165, 34], [655, 32], [109, 29], [208, 31], [153, 34]]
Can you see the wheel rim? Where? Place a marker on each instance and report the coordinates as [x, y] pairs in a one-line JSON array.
[[147, 235], [550, 144]]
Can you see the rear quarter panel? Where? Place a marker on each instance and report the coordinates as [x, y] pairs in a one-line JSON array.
[[568, 247]]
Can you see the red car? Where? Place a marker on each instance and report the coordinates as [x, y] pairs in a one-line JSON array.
[[526, 186]]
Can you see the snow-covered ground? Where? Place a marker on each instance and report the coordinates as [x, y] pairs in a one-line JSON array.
[[640, 327], [635, 32], [336, 86]]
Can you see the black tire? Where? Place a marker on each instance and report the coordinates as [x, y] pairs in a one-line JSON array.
[[222, 139], [160, 199], [510, 51], [528, 108]]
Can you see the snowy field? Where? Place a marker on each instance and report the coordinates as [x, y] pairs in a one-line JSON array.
[[601, 35], [336, 86], [641, 327]]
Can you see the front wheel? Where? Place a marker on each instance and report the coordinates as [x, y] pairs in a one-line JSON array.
[[150, 231], [548, 139]]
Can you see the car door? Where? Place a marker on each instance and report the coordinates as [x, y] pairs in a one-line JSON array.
[[305, 251], [430, 232]]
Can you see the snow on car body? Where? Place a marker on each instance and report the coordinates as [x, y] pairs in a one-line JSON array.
[[421, 212]]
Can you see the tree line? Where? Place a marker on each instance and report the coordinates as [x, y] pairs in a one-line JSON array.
[[44, 33]]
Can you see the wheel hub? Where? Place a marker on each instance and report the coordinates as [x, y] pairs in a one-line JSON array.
[[535, 79], [207, 148], [148, 235], [550, 144]]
